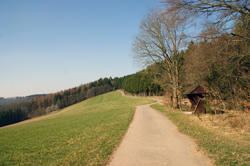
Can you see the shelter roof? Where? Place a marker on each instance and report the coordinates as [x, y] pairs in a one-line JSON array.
[[191, 89]]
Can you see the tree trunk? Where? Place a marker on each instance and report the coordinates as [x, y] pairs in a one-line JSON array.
[[175, 99], [175, 76]]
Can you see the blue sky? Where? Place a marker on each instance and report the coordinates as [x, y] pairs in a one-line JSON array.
[[51, 45]]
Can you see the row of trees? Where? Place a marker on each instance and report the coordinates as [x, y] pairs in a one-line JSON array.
[[11, 116], [140, 83], [218, 58]]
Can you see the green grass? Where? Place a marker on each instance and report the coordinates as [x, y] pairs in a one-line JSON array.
[[223, 149], [84, 135]]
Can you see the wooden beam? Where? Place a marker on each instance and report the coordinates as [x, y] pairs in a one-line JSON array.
[[197, 106]]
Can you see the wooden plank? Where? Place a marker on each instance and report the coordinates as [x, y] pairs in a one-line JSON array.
[[197, 106]]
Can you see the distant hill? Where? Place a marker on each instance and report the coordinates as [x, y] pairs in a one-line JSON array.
[[11, 100], [1, 100]]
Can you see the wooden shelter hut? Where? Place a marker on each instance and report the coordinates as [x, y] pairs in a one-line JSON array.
[[196, 96]]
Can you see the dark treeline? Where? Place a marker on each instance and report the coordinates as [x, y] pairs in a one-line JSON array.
[[11, 116], [141, 83]]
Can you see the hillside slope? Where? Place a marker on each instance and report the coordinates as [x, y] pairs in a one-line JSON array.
[[83, 135]]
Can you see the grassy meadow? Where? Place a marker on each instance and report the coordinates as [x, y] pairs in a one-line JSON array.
[[84, 135], [223, 146]]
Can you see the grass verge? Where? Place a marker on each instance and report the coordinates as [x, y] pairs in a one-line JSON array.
[[224, 149], [84, 135]]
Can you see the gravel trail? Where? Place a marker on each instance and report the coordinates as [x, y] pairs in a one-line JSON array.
[[152, 140]]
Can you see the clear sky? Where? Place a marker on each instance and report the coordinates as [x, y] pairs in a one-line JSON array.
[[50, 45]]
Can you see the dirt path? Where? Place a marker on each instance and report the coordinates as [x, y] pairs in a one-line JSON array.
[[152, 139]]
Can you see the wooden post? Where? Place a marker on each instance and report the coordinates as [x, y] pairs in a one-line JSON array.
[[197, 106]]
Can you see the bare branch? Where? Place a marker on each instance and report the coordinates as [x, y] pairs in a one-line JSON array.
[[222, 13]]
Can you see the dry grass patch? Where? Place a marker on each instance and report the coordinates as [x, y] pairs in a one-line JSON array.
[[229, 122]]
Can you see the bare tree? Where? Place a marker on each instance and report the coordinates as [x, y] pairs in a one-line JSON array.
[[157, 45], [222, 14]]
